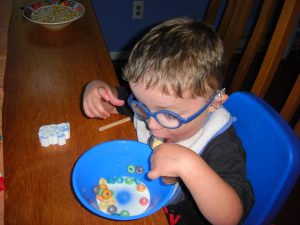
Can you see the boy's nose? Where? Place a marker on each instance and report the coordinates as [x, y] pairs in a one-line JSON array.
[[153, 124]]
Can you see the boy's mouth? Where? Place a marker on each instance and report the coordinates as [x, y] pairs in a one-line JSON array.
[[161, 136], [166, 140]]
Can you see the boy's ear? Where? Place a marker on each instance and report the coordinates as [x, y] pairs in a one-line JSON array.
[[217, 102]]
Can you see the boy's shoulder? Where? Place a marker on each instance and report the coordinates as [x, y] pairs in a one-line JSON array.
[[228, 135], [225, 143]]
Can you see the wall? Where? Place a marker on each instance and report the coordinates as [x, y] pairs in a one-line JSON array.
[[121, 31]]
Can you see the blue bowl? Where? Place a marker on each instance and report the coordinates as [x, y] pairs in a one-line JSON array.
[[111, 159]]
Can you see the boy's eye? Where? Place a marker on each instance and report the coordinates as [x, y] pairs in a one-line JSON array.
[[168, 120], [166, 116], [170, 117]]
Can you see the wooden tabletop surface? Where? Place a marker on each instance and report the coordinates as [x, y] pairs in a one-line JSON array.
[[45, 74]]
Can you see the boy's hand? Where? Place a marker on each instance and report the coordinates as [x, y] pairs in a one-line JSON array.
[[169, 160], [100, 100]]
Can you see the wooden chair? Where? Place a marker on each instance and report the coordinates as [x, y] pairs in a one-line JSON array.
[[291, 104], [233, 24]]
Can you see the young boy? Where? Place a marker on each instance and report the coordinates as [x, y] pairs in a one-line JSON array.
[[175, 75]]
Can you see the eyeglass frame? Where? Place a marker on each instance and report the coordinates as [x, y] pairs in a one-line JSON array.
[[217, 94]]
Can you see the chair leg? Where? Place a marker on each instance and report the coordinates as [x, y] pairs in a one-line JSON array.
[[292, 102], [286, 23]]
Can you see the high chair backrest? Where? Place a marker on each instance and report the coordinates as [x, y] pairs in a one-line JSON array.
[[273, 154]]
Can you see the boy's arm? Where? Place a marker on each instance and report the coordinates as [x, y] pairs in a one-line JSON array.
[[217, 180], [216, 199], [226, 156]]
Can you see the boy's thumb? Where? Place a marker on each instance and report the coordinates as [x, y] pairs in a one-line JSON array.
[[116, 102], [153, 174]]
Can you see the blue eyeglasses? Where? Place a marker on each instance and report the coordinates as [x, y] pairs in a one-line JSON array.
[[166, 118]]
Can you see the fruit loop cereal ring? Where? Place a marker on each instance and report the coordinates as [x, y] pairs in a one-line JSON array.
[[96, 189], [119, 180], [106, 194], [111, 201], [112, 209], [103, 186], [144, 201], [156, 142], [137, 181], [102, 181], [141, 187], [131, 169], [129, 180], [111, 180], [99, 197], [139, 169], [103, 204], [124, 213], [100, 191]]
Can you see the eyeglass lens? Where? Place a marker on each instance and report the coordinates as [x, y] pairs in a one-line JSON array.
[[164, 119], [168, 120]]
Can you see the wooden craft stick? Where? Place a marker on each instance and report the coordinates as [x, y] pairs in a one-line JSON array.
[[116, 123]]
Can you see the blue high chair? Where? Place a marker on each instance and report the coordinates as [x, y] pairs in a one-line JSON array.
[[273, 154]]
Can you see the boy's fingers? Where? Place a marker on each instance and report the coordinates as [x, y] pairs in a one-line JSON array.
[[117, 102], [92, 112], [87, 110], [103, 93], [108, 96]]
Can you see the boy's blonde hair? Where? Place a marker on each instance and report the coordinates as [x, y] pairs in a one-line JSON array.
[[181, 54]]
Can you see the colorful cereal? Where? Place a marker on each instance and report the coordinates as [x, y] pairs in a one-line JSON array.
[[122, 196], [141, 187], [54, 14], [106, 194], [129, 180], [131, 169], [119, 180], [111, 209], [124, 213], [139, 169], [144, 201]]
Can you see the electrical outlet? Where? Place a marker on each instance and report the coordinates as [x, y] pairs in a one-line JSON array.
[[138, 10]]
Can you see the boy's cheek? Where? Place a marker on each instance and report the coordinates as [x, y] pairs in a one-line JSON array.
[[185, 131], [179, 135]]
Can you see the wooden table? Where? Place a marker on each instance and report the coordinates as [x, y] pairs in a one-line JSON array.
[[5, 12], [45, 73]]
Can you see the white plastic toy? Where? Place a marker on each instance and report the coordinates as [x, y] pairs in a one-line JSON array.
[[54, 134]]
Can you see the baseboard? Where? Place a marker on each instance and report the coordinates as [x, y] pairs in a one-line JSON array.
[[119, 55]]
